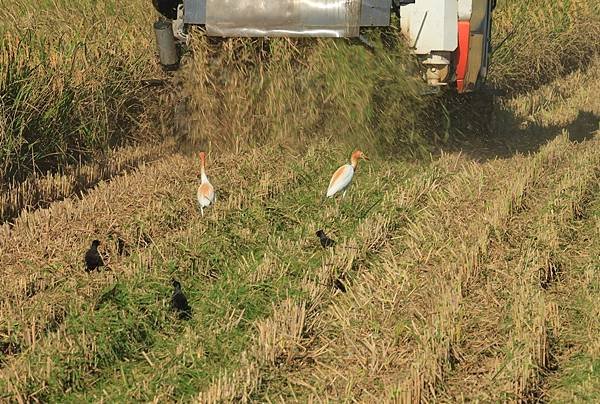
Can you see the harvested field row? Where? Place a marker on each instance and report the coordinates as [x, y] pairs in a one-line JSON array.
[[142, 229], [41, 191], [523, 262], [401, 339], [575, 293]]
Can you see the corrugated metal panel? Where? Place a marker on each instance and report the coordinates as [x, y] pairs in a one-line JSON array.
[[372, 12], [317, 18]]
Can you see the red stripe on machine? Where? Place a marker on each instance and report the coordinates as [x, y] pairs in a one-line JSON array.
[[464, 33]]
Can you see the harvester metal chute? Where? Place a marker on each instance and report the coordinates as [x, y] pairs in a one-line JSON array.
[[449, 37]]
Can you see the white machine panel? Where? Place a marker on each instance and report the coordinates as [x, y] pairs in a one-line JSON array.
[[465, 9], [430, 25]]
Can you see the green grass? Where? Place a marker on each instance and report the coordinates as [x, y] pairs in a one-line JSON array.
[[580, 381], [107, 344]]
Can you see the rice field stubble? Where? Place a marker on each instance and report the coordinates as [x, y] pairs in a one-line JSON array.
[[468, 274]]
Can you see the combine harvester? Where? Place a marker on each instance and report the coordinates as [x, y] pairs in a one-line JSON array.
[[451, 38]]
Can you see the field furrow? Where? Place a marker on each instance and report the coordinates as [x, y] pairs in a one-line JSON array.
[[139, 208], [508, 334], [40, 191], [286, 336], [271, 275], [577, 342]]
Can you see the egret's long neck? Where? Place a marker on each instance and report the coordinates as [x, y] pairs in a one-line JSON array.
[[353, 161], [203, 176]]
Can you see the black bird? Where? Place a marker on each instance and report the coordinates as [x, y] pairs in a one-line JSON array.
[[339, 285], [179, 302], [93, 259], [325, 241]]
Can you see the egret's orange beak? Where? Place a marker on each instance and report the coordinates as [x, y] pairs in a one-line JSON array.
[[364, 157]]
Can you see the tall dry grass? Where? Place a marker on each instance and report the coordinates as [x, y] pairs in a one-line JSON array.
[[71, 81], [537, 41], [243, 91]]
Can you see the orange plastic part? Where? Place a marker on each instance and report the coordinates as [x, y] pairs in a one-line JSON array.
[[464, 33]]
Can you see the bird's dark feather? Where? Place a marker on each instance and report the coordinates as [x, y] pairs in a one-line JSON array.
[[93, 259]]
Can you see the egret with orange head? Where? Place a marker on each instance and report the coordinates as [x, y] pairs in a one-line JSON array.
[[206, 192], [343, 175]]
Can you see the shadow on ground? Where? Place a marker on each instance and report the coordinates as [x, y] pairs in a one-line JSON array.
[[483, 129]]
